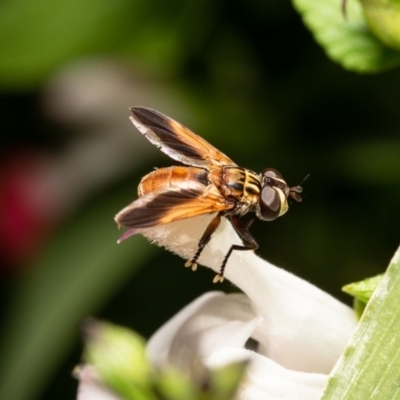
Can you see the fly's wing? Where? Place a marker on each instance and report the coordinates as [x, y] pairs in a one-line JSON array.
[[177, 141], [164, 206]]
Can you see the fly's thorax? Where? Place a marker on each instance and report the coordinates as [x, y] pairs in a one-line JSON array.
[[239, 185], [166, 178]]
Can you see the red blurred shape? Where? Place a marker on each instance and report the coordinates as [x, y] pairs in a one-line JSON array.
[[28, 206]]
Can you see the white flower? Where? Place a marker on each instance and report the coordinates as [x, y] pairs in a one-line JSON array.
[[300, 329]]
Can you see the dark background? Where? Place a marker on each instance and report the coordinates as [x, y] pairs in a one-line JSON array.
[[249, 78]]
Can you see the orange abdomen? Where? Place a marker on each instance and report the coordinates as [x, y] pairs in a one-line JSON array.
[[165, 178]]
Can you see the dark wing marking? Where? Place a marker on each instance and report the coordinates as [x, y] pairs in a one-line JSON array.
[[170, 205], [175, 140]]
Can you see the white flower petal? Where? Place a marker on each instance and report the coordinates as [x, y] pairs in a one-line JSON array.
[[211, 322], [90, 387], [265, 379], [158, 346], [203, 335], [300, 322], [303, 328]]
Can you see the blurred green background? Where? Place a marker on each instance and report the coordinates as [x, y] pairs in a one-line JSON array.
[[249, 78]]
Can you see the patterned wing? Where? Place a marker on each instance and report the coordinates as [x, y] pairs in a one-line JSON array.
[[164, 206], [177, 141]]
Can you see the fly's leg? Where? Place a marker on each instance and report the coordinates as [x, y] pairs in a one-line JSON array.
[[249, 243], [212, 226]]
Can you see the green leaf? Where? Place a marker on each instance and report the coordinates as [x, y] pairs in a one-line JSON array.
[[119, 358], [362, 292], [225, 381], [81, 267], [383, 18], [173, 384], [215, 384], [118, 355], [346, 40], [370, 365]]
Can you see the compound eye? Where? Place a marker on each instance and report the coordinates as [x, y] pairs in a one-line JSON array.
[[270, 204], [271, 173]]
